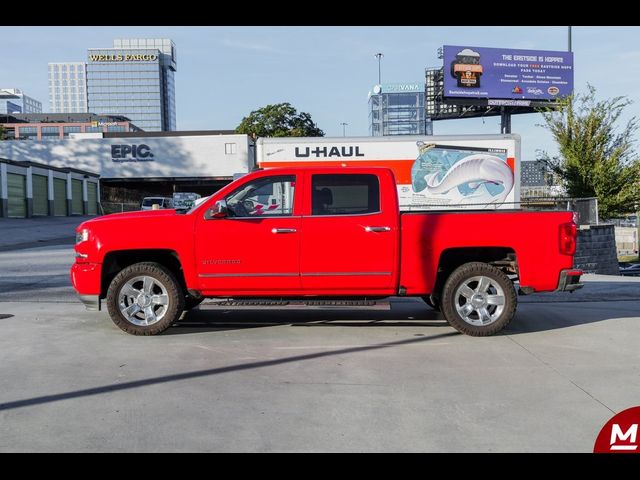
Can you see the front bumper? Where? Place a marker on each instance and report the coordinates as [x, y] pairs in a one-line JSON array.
[[569, 280], [85, 278], [91, 302]]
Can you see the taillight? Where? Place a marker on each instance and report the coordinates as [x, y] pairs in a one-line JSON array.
[[568, 233]]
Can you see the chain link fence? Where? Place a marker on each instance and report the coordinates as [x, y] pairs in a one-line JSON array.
[[587, 208], [114, 207]]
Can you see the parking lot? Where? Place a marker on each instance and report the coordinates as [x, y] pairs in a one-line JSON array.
[[309, 380]]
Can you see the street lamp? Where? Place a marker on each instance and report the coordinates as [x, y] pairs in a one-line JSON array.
[[379, 57], [344, 124]]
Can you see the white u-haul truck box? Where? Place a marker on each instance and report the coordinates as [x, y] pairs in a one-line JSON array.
[[432, 172]]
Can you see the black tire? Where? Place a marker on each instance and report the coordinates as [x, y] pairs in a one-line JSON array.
[[432, 302], [162, 279], [496, 321], [192, 302]]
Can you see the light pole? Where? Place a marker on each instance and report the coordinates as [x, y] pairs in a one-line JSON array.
[[344, 132], [379, 57], [569, 38]]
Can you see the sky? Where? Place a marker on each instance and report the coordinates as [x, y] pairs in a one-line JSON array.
[[226, 72]]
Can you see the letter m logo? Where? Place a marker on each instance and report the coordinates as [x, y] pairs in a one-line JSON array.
[[629, 437]]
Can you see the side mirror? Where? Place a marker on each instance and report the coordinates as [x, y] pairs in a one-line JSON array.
[[219, 210]]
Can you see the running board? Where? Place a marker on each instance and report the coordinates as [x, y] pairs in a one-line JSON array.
[[262, 304]]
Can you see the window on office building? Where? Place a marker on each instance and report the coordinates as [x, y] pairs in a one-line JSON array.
[[28, 133], [68, 130], [50, 133]]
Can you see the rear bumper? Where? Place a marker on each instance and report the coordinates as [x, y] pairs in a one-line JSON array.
[[569, 280]]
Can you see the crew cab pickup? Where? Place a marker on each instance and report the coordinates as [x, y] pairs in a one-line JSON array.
[[321, 233]]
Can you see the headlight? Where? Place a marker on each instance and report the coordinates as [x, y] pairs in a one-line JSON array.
[[82, 236]]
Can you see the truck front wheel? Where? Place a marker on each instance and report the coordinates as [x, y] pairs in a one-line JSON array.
[[478, 299], [145, 299]]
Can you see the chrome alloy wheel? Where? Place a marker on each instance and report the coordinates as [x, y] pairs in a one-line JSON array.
[[479, 301], [143, 300]]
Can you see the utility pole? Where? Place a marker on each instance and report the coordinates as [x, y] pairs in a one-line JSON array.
[[379, 57], [344, 132], [570, 39], [505, 120]]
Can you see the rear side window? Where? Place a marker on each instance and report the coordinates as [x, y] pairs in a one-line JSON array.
[[344, 194]]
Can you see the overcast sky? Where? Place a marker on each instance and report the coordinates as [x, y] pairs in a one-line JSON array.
[[225, 72]]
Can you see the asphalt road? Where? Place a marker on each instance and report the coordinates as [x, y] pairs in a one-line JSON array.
[[309, 380]]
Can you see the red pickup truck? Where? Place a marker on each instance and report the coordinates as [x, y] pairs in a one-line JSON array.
[[320, 233]]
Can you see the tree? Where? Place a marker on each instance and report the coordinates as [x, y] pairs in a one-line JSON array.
[[3, 133], [596, 158], [280, 120]]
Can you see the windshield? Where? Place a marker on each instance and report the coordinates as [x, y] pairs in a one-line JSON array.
[[148, 202], [197, 203]]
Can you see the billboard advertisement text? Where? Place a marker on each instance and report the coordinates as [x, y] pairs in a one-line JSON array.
[[478, 72]]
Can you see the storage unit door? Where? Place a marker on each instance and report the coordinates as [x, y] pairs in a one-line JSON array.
[[59, 197], [40, 197], [17, 191], [92, 198], [76, 197]]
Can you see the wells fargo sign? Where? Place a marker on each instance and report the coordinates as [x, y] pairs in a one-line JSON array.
[[123, 58]]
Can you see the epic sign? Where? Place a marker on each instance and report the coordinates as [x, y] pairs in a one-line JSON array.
[[131, 153], [123, 58]]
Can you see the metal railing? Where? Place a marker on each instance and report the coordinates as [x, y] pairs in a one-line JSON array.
[[587, 208], [114, 207]]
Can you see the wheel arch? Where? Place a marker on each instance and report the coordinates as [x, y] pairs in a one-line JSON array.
[[504, 258], [116, 261]]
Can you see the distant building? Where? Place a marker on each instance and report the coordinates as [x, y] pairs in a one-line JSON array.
[[56, 126], [537, 180], [68, 87], [13, 100], [398, 109], [134, 78], [535, 174]]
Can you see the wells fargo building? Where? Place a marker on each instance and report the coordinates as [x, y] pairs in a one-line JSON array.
[[135, 78]]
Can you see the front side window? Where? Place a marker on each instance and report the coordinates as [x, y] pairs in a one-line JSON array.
[[344, 194], [269, 196]]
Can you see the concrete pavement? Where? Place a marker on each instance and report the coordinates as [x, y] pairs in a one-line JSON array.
[[307, 380], [18, 233]]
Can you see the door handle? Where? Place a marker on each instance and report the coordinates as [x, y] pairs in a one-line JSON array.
[[283, 230], [377, 229]]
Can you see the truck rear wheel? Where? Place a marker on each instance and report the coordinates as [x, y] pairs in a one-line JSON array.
[[145, 299], [478, 299]]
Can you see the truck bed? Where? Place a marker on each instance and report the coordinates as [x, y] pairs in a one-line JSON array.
[[532, 236]]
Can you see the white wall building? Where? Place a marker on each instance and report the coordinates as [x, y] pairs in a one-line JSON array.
[[142, 157], [13, 100]]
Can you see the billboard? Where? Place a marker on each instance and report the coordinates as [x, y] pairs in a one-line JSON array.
[[501, 73]]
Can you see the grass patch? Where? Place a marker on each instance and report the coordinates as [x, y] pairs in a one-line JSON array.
[[629, 258]]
